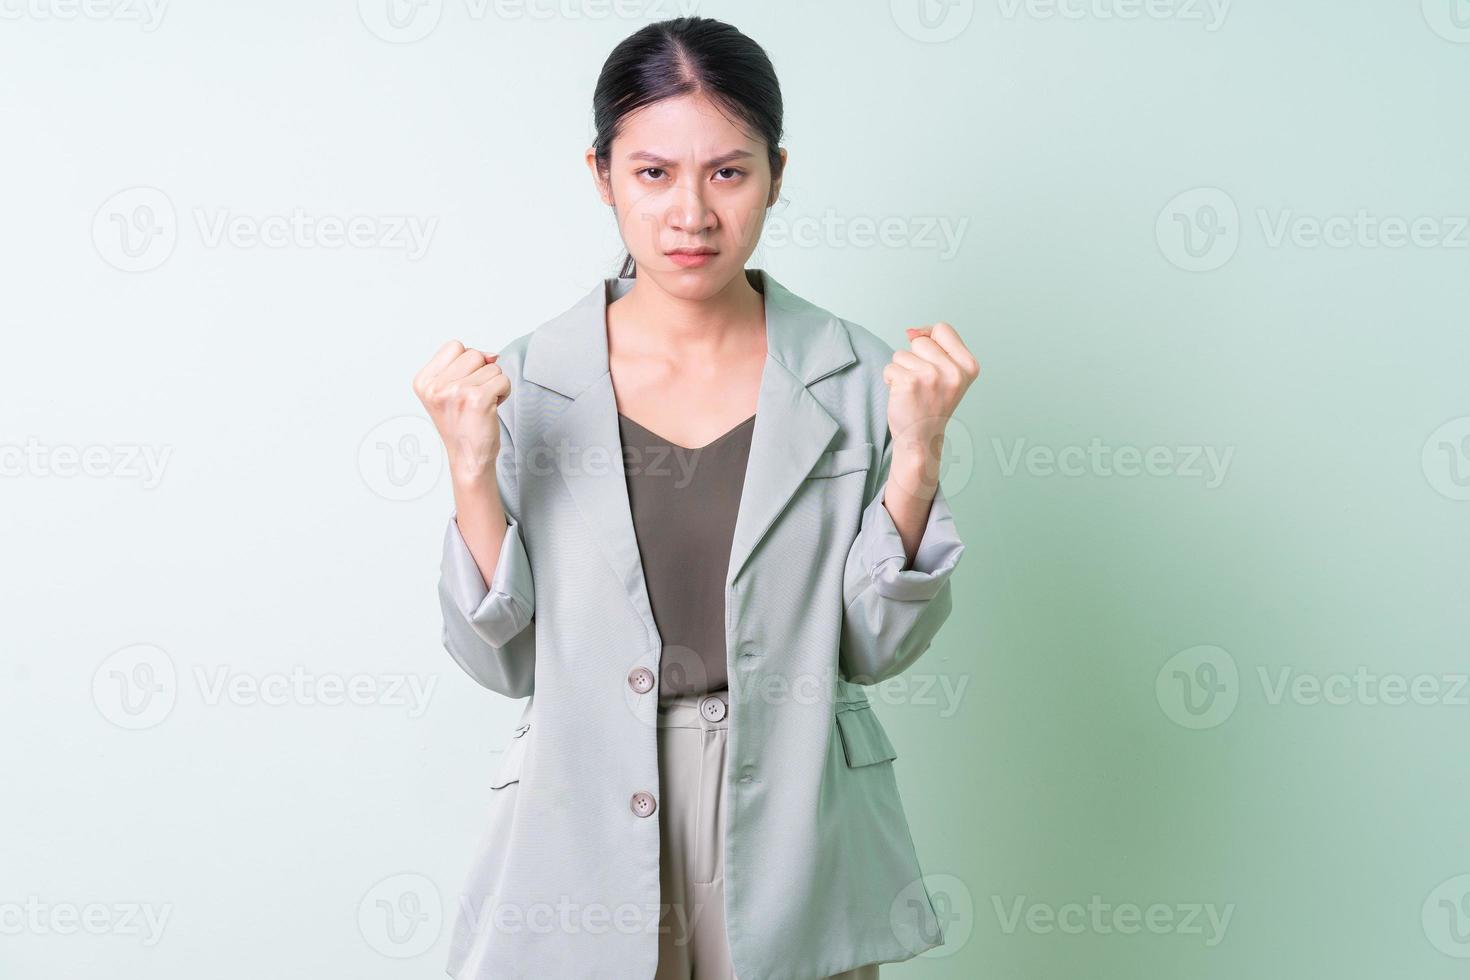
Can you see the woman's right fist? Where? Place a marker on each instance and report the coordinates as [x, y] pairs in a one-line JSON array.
[[462, 388]]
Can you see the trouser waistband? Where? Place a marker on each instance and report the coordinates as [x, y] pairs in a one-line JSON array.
[[710, 711]]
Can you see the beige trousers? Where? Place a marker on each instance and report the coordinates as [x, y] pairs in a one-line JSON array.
[[693, 732]]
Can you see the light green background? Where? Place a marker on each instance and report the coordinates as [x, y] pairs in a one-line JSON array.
[[1042, 759]]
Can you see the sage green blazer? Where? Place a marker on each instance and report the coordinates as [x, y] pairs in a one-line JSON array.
[[820, 870]]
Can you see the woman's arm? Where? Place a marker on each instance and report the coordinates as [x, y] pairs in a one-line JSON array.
[[896, 585], [486, 592], [489, 618], [896, 593], [480, 517], [908, 496]]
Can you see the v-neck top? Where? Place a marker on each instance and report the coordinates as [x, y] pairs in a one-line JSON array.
[[684, 502]]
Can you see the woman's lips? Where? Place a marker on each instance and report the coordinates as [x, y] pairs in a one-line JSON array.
[[690, 260]]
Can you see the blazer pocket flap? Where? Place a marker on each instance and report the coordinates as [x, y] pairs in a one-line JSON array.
[[864, 742], [840, 461], [511, 758]]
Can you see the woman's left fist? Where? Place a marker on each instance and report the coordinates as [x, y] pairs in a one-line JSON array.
[[925, 385]]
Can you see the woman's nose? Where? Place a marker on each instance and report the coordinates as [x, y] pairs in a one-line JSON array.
[[690, 212]]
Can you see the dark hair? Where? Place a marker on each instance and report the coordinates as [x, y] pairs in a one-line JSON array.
[[684, 56]]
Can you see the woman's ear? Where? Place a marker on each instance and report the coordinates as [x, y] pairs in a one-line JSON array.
[[776, 181], [604, 191]]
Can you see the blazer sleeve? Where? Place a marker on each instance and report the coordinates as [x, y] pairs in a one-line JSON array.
[[488, 627], [891, 613]]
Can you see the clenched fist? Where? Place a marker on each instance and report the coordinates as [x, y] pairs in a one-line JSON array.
[[925, 385], [462, 388]]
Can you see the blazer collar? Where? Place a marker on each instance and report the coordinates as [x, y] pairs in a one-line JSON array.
[[568, 354]]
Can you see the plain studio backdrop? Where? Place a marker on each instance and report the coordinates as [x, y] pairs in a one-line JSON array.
[[1201, 707]]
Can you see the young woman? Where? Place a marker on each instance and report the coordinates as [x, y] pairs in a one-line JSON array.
[[695, 516]]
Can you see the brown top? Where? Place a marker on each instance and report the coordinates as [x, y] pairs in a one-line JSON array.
[[684, 502]]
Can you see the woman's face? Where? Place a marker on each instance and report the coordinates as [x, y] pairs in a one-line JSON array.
[[683, 176]]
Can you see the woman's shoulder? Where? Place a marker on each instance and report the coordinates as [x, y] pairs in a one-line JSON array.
[[869, 348]]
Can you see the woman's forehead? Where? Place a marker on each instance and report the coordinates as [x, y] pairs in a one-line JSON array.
[[683, 126]]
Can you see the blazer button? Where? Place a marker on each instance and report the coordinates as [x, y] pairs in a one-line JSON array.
[[641, 680], [643, 804], [712, 708]]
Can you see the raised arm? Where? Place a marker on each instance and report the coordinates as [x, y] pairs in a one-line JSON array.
[[486, 592]]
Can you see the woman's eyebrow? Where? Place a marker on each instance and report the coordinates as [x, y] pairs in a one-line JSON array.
[[659, 161]]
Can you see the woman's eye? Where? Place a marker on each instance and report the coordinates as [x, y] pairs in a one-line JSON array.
[[650, 170], [730, 170]]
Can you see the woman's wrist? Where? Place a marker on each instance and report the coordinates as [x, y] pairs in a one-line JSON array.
[[472, 474], [915, 469]]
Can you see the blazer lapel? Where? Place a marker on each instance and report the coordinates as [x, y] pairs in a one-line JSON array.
[[569, 355], [804, 344]]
